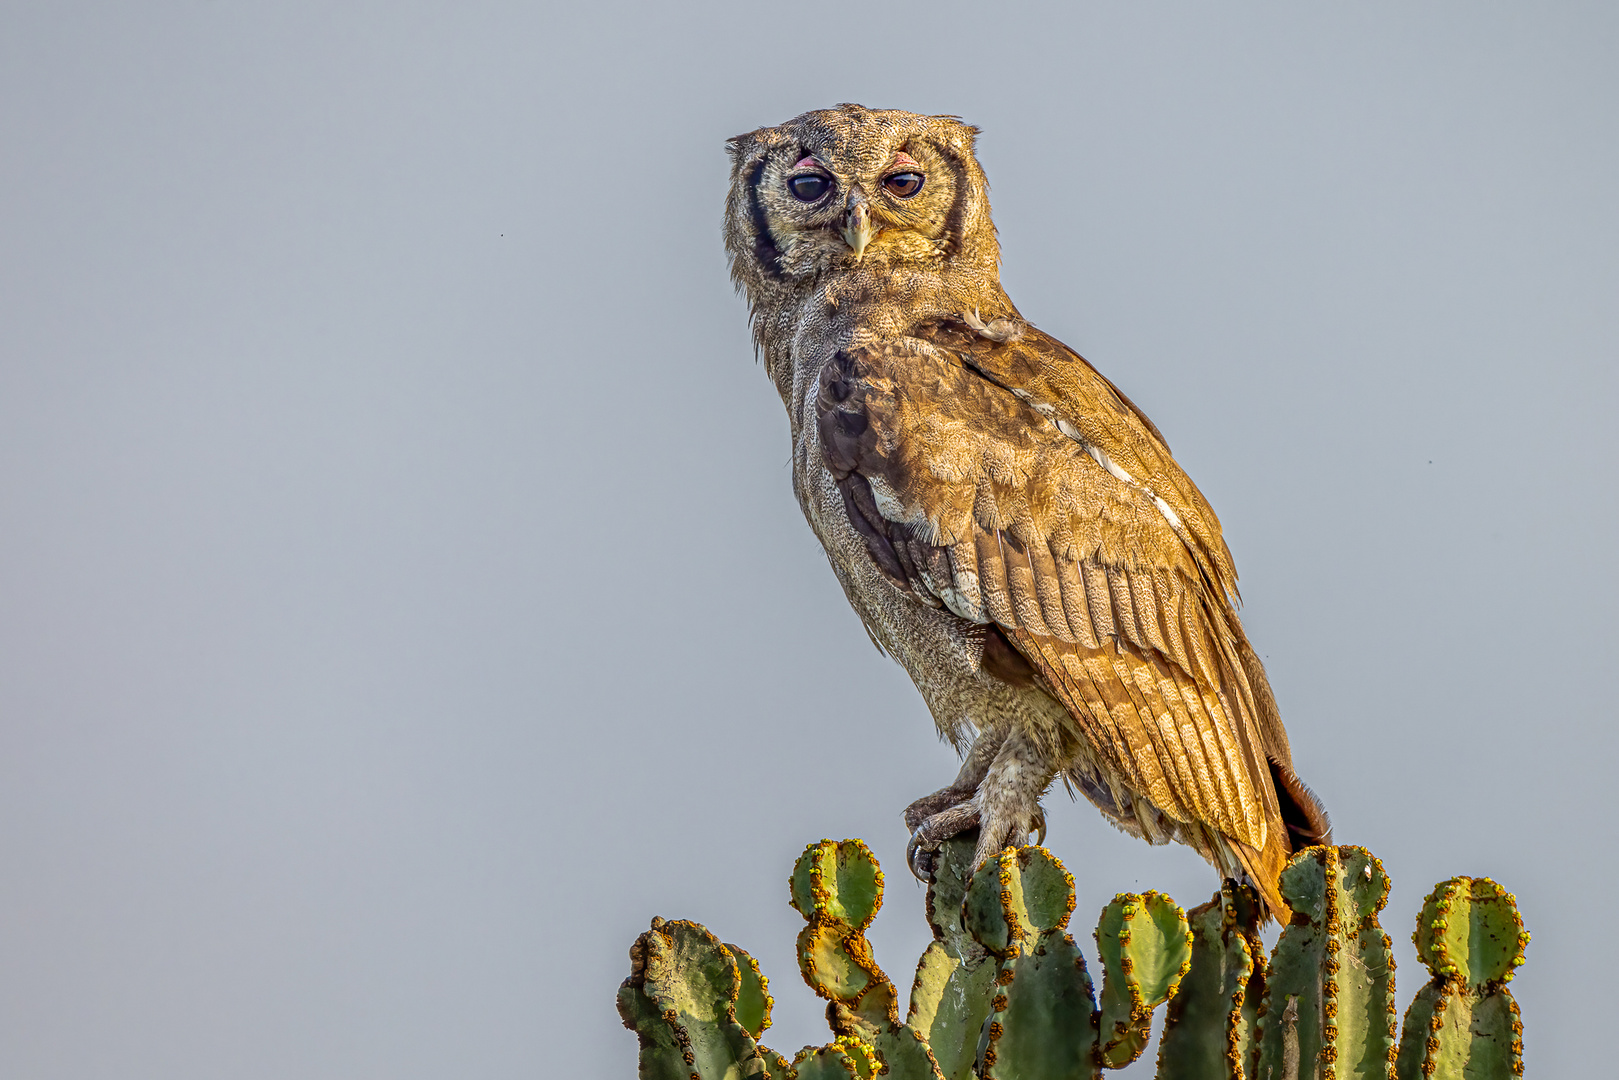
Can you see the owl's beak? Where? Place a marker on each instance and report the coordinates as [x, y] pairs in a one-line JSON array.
[[857, 227]]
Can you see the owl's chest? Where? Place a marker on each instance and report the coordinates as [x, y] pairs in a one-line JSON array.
[[823, 325], [916, 633]]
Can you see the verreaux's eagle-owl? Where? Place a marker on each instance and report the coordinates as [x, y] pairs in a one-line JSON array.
[[1007, 524]]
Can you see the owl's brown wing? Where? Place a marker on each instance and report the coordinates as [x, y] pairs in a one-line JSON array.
[[1012, 484]]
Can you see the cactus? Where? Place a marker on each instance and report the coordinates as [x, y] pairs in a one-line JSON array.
[[1146, 949], [838, 888], [753, 1000], [1002, 991], [1329, 987], [1209, 1029], [1042, 1016], [681, 1000], [1465, 1021], [955, 979], [844, 1057]]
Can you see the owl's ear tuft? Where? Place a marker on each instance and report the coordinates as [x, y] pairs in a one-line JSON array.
[[741, 147], [750, 147], [963, 138]]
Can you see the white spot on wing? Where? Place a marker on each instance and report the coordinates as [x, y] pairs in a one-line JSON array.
[[966, 598], [953, 598], [1114, 469], [1109, 464], [888, 502]]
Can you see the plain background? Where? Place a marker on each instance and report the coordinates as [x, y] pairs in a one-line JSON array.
[[401, 593]]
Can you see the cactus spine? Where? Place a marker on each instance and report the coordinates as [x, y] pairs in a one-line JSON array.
[[1465, 1023]]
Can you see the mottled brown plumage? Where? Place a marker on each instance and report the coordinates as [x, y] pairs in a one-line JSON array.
[[1008, 525]]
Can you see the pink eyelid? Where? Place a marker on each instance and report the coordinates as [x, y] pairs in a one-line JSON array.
[[807, 163], [903, 159]]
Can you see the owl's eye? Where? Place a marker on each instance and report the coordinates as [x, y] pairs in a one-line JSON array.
[[903, 184], [808, 187]]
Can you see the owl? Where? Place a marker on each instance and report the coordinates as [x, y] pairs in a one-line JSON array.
[[1007, 524]]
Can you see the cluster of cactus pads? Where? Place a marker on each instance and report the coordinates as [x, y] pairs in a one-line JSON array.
[[1003, 992]]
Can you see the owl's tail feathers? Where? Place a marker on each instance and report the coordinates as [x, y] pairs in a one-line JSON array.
[[1303, 815], [1304, 823], [1264, 867]]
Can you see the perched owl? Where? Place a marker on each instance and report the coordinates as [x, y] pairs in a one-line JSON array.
[[1009, 526]]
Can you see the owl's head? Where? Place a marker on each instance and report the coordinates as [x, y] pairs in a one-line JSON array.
[[851, 187]]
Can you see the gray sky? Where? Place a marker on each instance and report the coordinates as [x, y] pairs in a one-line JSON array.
[[402, 596]]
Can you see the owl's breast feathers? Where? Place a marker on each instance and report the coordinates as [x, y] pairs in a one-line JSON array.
[[1012, 484]]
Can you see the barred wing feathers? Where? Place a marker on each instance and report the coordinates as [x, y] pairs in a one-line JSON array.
[[1012, 484]]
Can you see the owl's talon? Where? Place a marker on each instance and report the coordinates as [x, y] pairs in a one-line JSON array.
[[1040, 830], [930, 833], [921, 857]]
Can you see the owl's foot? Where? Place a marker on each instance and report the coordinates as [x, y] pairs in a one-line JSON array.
[[998, 789], [927, 837], [940, 801], [922, 851]]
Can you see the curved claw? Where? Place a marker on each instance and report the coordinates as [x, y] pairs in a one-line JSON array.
[[914, 852], [1040, 831]]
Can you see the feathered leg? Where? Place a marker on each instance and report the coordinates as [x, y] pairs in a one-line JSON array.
[[998, 790]]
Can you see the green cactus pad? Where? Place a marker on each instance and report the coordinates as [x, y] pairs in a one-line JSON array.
[[1360, 888], [1146, 949], [753, 1000], [1470, 930], [680, 999], [905, 1055], [993, 909], [866, 1062], [776, 1066], [1329, 995], [1040, 1021], [1464, 1023], [840, 882], [947, 891], [931, 984], [662, 1053], [838, 888], [841, 1059], [1043, 1025], [950, 1001], [1365, 883], [1461, 1036], [955, 978], [1015, 896], [1048, 890], [688, 970], [836, 964], [1208, 1029]]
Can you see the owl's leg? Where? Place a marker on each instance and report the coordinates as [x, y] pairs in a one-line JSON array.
[[962, 788], [1008, 797], [935, 818], [998, 790]]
